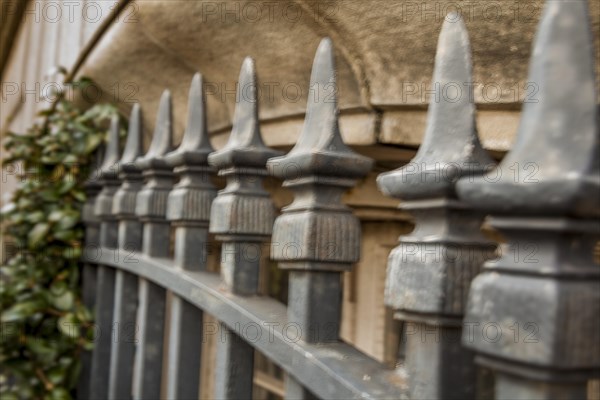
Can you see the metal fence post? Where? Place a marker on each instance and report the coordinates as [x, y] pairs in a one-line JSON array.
[[535, 311], [129, 245], [188, 209], [92, 246], [104, 302], [317, 237], [151, 209], [242, 218], [430, 271]]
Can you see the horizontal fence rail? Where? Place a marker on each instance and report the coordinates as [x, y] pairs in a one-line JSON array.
[[336, 370], [149, 216]]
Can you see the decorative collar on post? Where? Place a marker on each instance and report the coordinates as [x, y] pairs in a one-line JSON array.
[[431, 269], [317, 236], [545, 199], [109, 179], [189, 203], [125, 198], [151, 204], [242, 214]]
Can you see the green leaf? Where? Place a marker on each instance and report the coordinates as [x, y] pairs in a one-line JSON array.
[[38, 233], [42, 349], [92, 143], [20, 311], [68, 326], [68, 221], [79, 195], [64, 301], [65, 236], [56, 215], [35, 217], [59, 393], [56, 375]]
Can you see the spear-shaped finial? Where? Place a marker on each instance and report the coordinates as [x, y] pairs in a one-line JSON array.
[[545, 196], [320, 148], [450, 147], [554, 166], [109, 167], [133, 145], [195, 145], [162, 138], [109, 171], [319, 169], [245, 146], [124, 202]]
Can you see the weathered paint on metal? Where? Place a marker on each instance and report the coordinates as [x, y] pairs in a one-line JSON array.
[[332, 370], [188, 209], [129, 244], [151, 207], [241, 218], [321, 232], [430, 271], [551, 289], [105, 283]]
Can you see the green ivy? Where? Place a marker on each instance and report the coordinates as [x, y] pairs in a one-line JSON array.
[[44, 325]]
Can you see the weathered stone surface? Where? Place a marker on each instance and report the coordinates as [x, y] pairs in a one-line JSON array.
[[385, 52]]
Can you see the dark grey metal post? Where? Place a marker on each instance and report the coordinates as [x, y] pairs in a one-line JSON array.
[[92, 246], [242, 218], [188, 209], [129, 245], [151, 209], [535, 311], [430, 271], [105, 275], [317, 237]]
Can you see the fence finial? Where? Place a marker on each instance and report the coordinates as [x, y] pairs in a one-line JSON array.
[[152, 199], [431, 269], [554, 166], [162, 139], [110, 183], [545, 200], [111, 155], [242, 214], [189, 203], [316, 236], [450, 147], [320, 148], [133, 145], [195, 145], [124, 202], [245, 146]]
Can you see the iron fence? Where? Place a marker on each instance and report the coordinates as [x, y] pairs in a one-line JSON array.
[[458, 301]]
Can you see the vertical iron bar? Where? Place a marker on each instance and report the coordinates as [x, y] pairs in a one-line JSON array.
[[242, 218], [188, 209], [151, 205], [129, 245], [105, 275], [430, 271], [317, 237], [147, 375], [92, 245]]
